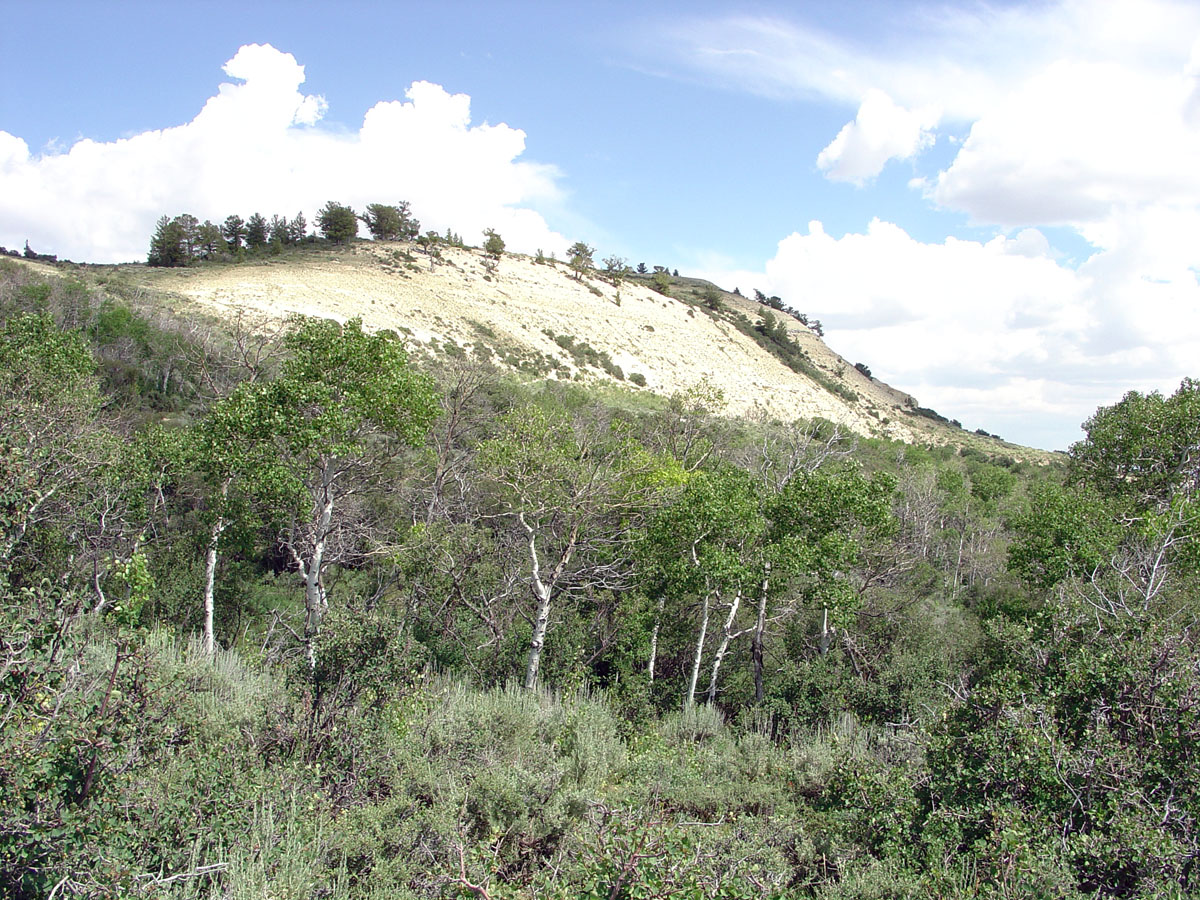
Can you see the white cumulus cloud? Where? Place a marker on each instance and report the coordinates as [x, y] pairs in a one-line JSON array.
[[1083, 115], [1075, 144], [258, 146], [881, 131], [999, 334]]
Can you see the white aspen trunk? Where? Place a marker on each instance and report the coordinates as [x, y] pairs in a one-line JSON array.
[[210, 575], [826, 631], [538, 640], [315, 602], [704, 613], [314, 594], [543, 592], [302, 568], [727, 635], [658, 614]]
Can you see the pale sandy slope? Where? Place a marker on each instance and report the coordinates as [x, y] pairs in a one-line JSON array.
[[673, 344]]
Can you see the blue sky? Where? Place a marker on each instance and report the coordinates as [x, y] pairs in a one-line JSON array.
[[992, 205]]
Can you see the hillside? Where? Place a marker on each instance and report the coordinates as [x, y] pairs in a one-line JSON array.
[[325, 627], [539, 319]]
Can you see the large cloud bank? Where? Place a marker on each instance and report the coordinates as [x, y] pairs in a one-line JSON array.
[[1080, 119], [258, 146]]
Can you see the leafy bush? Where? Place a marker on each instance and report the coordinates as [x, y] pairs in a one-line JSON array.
[[508, 770], [584, 354], [145, 758]]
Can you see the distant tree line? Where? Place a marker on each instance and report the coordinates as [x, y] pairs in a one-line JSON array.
[[777, 303], [185, 240], [29, 253]]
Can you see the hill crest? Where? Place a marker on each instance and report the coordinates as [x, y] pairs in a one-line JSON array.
[[538, 318]]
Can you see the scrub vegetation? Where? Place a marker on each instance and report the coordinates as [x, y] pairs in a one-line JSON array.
[[288, 613]]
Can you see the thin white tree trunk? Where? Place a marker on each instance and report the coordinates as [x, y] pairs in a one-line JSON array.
[[543, 592], [210, 574], [314, 590], [699, 655], [962, 536], [310, 569], [658, 614], [826, 631], [541, 622], [727, 635]]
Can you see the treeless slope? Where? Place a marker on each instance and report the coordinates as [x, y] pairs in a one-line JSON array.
[[673, 344]]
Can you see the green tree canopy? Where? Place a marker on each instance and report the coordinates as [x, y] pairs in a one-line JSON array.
[[338, 223], [51, 443], [1146, 447], [390, 223], [345, 403], [210, 240], [256, 232], [493, 244], [579, 257], [574, 482], [176, 242], [298, 228], [234, 231]]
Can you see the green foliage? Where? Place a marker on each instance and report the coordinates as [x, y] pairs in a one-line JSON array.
[[123, 761], [947, 729], [823, 523], [493, 249], [498, 776], [493, 244], [364, 657], [584, 354], [256, 232], [712, 298], [1144, 447], [1079, 716], [579, 257], [234, 232], [1075, 744], [702, 538], [991, 484], [343, 378], [1066, 533], [41, 361], [176, 242], [298, 228], [616, 270], [338, 223], [391, 223], [1128, 520], [51, 442], [184, 241], [927, 413]]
